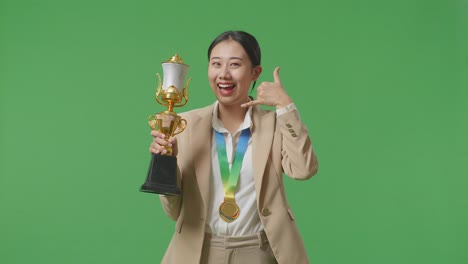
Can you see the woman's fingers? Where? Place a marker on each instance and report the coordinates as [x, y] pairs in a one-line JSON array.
[[254, 102], [156, 133], [159, 143]]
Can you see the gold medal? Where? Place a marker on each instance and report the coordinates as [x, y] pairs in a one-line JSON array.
[[228, 210]]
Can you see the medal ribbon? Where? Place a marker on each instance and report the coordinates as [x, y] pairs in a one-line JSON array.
[[231, 177]]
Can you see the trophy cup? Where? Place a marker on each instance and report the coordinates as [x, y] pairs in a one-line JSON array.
[[162, 172]]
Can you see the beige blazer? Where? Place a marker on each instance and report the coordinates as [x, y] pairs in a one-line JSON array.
[[280, 144]]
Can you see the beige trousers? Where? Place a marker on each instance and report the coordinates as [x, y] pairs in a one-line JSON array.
[[253, 249]]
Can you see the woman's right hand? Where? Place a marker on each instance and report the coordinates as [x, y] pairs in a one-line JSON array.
[[159, 141]]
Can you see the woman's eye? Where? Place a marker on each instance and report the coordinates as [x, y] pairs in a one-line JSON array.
[[235, 64], [215, 63]]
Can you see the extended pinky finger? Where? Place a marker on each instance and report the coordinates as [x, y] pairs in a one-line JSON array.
[[254, 102]]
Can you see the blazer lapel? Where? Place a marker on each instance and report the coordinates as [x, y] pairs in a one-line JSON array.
[[201, 135], [262, 139]]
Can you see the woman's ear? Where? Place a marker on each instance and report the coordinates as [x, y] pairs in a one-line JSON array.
[[257, 71]]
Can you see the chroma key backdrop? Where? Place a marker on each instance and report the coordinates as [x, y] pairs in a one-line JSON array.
[[381, 85]]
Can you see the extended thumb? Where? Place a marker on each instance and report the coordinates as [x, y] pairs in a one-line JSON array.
[[276, 76]]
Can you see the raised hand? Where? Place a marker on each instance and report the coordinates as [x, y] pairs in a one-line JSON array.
[[271, 93]]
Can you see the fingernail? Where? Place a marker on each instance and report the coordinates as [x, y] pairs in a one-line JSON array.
[[169, 145]]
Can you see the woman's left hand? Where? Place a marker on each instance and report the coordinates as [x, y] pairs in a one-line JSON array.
[[271, 93]]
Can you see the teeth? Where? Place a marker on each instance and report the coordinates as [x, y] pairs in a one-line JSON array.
[[223, 86]]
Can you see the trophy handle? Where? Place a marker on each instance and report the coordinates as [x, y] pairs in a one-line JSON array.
[[180, 126], [185, 91], [184, 94], [152, 122], [159, 90]]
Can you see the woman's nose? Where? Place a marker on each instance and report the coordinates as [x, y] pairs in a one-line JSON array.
[[224, 73]]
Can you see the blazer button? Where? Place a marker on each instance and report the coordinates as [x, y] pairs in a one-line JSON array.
[[294, 135], [292, 130], [288, 125], [265, 212]]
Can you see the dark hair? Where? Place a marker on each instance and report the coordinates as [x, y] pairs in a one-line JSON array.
[[246, 40]]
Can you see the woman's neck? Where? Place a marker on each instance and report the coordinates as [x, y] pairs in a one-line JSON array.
[[231, 116]]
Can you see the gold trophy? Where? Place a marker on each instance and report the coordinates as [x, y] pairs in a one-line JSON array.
[[162, 172]]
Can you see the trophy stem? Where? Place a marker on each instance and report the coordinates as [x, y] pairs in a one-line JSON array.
[[170, 107]]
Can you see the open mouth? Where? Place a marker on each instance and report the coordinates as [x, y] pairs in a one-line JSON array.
[[226, 88]]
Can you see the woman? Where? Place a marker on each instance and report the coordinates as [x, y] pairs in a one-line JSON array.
[[233, 207]]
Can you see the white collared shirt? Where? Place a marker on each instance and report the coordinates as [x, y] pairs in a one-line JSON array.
[[248, 221]]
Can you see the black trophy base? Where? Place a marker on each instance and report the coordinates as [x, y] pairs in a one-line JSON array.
[[162, 176]]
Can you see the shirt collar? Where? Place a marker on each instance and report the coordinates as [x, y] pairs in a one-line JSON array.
[[218, 125]]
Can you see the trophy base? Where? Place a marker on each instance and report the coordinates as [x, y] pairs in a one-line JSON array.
[[162, 176]]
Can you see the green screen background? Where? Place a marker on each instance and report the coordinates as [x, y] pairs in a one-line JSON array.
[[381, 85]]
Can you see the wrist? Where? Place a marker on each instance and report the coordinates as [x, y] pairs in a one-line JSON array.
[[283, 103]]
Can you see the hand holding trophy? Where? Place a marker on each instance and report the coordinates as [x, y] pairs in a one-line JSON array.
[[162, 172]]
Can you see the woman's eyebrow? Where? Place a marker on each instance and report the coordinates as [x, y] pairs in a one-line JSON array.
[[230, 58]]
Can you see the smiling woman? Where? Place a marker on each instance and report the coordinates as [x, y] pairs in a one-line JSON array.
[[230, 73], [233, 204]]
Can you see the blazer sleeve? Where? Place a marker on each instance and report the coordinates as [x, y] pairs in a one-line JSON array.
[[298, 157], [172, 203]]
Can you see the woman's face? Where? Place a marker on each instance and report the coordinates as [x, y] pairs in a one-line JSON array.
[[230, 73]]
